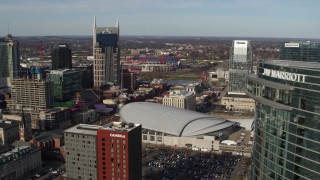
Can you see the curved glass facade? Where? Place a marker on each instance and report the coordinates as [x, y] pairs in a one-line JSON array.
[[287, 120]]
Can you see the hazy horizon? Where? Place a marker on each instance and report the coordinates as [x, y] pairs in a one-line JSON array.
[[206, 18]]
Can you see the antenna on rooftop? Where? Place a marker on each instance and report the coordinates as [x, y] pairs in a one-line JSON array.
[[8, 28]]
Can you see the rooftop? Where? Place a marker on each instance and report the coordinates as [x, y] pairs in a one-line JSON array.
[[83, 129], [294, 64], [120, 126]]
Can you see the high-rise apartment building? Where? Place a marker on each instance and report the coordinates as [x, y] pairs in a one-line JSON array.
[[240, 65], [31, 94], [106, 54], [61, 57], [112, 151], [287, 125], [300, 51], [9, 60]]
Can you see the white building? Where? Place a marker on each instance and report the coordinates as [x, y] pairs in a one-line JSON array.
[[178, 127], [238, 102], [181, 99]]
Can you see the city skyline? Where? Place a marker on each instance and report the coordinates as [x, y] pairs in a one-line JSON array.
[[164, 18]]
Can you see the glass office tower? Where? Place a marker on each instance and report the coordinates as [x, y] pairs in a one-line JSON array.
[[240, 65], [300, 51], [9, 60], [287, 120]]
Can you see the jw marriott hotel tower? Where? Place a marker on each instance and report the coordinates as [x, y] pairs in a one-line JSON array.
[[287, 120]]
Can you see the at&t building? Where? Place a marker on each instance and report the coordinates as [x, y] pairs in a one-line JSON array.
[[287, 120]]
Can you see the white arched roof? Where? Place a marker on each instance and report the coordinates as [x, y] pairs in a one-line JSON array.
[[171, 120]]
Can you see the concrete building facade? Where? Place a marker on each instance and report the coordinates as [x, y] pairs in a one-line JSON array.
[[31, 94], [18, 162], [181, 99], [112, 151], [24, 121], [81, 152], [238, 102], [9, 132]]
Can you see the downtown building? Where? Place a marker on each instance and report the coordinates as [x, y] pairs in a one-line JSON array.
[[19, 160], [300, 51], [36, 97], [240, 65], [112, 151], [9, 60], [182, 99], [106, 55], [287, 125], [61, 57], [66, 83]]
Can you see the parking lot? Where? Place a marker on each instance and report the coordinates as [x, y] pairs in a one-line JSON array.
[[165, 163]]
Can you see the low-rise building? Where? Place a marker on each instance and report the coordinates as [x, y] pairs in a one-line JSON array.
[[238, 102], [181, 99], [55, 118], [50, 143], [19, 161], [9, 132], [25, 127], [83, 116]]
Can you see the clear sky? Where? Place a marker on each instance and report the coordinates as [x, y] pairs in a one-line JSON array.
[[240, 18]]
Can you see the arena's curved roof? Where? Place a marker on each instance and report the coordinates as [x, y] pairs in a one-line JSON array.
[[171, 120]]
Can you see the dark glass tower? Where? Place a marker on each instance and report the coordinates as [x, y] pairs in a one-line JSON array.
[[287, 120], [300, 51], [61, 57], [106, 53], [9, 60]]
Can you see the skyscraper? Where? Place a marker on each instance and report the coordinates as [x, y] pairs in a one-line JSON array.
[[300, 51], [9, 59], [240, 65], [287, 125], [61, 57], [106, 55]]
